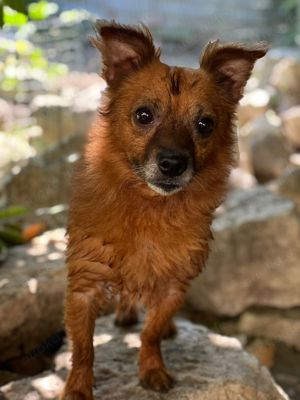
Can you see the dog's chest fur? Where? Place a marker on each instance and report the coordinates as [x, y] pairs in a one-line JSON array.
[[154, 246]]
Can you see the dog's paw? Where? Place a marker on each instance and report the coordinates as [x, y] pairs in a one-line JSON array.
[[158, 379], [75, 395], [169, 331]]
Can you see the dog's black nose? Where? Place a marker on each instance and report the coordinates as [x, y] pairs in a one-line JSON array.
[[171, 163]]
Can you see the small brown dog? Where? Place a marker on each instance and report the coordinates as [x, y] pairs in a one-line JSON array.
[[154, 170]]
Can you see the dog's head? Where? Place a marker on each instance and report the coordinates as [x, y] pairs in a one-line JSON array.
[[172, 123]]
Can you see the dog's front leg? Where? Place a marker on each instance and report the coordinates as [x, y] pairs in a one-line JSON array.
[[153, 373], [87, 290], [81, 312]]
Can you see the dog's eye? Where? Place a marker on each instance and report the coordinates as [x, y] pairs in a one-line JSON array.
[[205, 126], [144, 116]]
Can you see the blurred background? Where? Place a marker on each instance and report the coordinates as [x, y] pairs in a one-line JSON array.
[[49, 93]]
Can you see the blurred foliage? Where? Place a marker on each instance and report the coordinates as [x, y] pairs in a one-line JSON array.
[[11, 232], [17, 12], [288, 11], [20, 59], [41, 10]]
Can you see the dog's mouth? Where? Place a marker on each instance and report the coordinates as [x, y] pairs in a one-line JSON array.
[[160, 184], [165, 189]]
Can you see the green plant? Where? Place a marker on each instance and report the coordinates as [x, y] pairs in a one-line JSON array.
[[11, 230], [17, 12], [20, 59]]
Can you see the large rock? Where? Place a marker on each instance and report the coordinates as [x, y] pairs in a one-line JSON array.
[[274, 324], [289, 184], [291, 125], [267, 148], [208, 366], [44, 183], [255, 256], [285, 77], [70, 111], [32, 282], [59, 118]]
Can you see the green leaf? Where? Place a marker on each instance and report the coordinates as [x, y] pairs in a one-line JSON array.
[[23, 47], [13, 211], [13, 18], [57, 69], [37, 59], [17, 5], [41, 10], [72, 16], [11, 236], [9, 84]]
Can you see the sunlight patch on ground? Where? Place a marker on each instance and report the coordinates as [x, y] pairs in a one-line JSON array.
[[295, 159], [32, 396], [38, 250], [3, 282], [63, 361], [49, 386], [55, 255], [132, 340], [20, 263], [32, 285], [224, 341], [102, 339]]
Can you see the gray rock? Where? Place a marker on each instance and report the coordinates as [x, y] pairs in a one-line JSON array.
[[255, 256], [45, 182], [32, 284], [291, 125], [59, 118], [289, 184], [285, 77], [267, 148], [273, 324], [208, 366]]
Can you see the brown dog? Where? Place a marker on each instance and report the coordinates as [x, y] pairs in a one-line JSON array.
[[154, 170]]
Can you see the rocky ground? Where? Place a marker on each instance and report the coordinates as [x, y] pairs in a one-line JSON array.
[[207, 366]]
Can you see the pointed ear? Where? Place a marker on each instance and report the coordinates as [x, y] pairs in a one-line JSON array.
[[230, 64], [124, 49]]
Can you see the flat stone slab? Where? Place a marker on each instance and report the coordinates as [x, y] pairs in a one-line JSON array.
[[207, 367]]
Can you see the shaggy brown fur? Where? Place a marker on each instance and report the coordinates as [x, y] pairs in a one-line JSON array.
[[131, 238]]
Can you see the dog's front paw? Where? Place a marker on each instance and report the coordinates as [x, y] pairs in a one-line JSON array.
[[75, 395], [158, 379]]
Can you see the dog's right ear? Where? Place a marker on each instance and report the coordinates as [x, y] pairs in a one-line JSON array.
[[124, 49], [230, 65]]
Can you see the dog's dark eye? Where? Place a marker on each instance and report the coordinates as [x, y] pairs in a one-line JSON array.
[[205, 126], [144, 116]]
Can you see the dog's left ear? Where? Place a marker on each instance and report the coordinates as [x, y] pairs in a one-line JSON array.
[[124, 49], [231, 64]]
